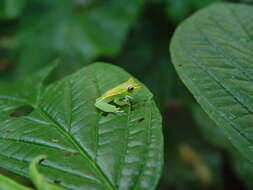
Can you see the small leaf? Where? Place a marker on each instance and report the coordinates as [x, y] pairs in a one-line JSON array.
[[38, 179], [212, 53], [86, 149], [9, 184]]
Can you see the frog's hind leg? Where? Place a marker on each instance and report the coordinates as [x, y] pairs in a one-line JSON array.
[[106, 107]]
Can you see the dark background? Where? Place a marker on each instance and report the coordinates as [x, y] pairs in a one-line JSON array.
[[133, 34]]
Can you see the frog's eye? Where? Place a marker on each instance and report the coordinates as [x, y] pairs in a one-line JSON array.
[[130, 88]]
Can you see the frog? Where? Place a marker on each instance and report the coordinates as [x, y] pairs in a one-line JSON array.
[[119, 95]]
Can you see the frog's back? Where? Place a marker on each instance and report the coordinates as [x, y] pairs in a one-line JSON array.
[[113, 93], [118, 91]]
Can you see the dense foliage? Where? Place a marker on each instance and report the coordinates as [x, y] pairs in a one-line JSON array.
[[190, 127]]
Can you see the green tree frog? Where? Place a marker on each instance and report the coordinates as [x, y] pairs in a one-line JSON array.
[[120, 95]]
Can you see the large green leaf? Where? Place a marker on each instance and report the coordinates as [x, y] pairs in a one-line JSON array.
[[212, 52], [76, 32], [87, 149]]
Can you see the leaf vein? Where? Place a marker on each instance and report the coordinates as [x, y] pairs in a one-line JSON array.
[[81, 150], [52, 167], [38, 144]]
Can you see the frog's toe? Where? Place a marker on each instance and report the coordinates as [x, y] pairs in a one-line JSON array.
[[119, 110]]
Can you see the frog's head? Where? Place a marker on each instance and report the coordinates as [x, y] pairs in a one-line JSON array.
[[132, 86]]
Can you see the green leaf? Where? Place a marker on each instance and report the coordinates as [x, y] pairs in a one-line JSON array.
[[9, 184], [87, 149], [38, 179], [213, 58], [76, 33], [23, 92], [10, 9]]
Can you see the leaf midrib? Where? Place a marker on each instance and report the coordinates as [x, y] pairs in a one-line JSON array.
[[83, 153], [149, 133]]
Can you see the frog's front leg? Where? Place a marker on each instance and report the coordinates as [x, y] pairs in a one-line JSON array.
[[128, 98], [104, 106], [120, 101]]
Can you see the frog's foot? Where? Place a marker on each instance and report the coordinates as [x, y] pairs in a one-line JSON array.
[[127, 101], [120, 112]]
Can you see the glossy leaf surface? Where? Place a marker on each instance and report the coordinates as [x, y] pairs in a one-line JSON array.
[[85, 148], [212, 52]]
